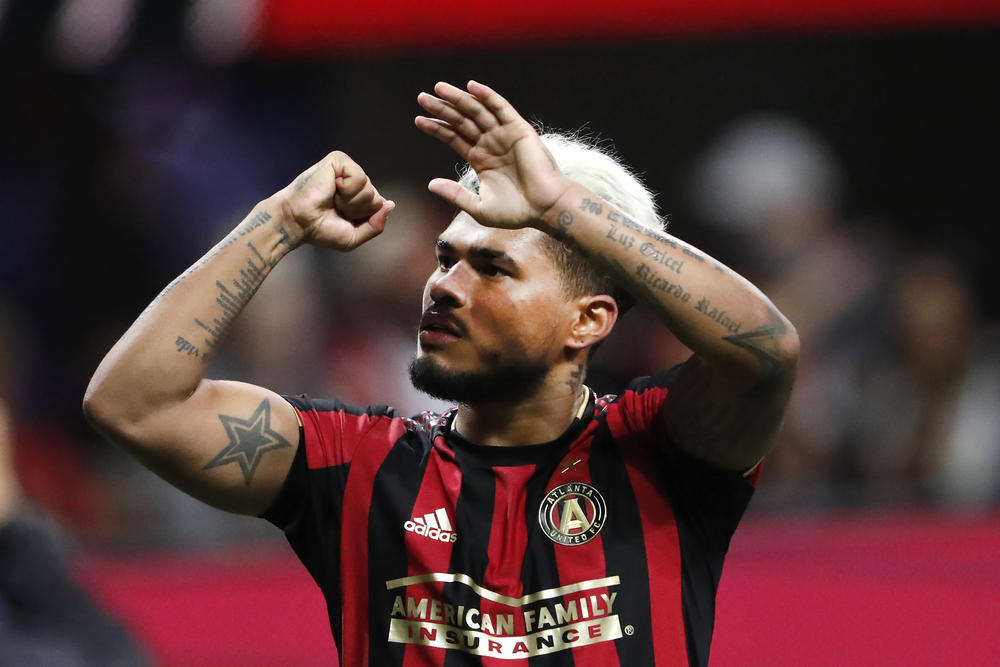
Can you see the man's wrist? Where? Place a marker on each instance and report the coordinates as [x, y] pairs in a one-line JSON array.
[[278, 214], [559, 218]]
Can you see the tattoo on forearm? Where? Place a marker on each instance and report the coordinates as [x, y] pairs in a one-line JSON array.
[[286, 238], [705, 307], [763, 343], [209, 256], [563, 223], [691, 253], [232, 300], [625, 240], [590, 206], [184, 346], [648, 249], [259, 218], [648, 232], [249, 439], [657, 282]]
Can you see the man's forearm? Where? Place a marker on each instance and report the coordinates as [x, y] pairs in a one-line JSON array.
[[164, 355], [713, 310]]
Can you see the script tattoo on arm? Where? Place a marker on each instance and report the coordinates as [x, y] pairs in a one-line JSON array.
[[233, 299], [222, 245], [186, 347], [259, 219], [249, 439]]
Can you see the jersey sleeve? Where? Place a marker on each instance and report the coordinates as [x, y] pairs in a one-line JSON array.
[[332, 430], [709, 499], [308, 507]]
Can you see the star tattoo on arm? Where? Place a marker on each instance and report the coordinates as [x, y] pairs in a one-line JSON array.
[[249, 439]]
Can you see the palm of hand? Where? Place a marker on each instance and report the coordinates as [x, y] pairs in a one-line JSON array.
[[518, 179]]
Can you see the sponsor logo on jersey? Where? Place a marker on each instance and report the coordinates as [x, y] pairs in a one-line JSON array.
[[539, 623], [572, 514], [434, 525]]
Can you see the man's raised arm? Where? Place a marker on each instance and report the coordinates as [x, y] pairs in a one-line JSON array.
[[229, 444], [726, 403]]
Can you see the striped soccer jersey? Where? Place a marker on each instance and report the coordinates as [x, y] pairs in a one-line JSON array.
[[602, 547]]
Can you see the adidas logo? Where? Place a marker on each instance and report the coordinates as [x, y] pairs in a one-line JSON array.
[[435, 525]]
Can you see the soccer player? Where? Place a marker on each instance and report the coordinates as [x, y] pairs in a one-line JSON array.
[[535, 520]]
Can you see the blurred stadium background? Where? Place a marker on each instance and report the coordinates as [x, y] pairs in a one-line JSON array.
[[843, 155]]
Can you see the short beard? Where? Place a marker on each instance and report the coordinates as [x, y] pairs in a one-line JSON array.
[[507, 381]]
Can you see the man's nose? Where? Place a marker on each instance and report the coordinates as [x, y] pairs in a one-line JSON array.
[[448, 288]]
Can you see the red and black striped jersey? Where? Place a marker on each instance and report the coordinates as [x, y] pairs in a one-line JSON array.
[[602, 547]]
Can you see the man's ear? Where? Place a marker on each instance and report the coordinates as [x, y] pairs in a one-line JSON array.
[[595, 318]]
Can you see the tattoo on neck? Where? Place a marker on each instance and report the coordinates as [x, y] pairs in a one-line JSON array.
[[576, 377]]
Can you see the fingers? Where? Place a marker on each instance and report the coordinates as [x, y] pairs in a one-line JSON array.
[[453, 192], [374, 225], [444, 132], [463, 117], [355, 197], [361, 204], [469, 106], [469, 114], [449, 114], [492, 100]]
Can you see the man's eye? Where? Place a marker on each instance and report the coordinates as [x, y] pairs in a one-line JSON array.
[[445, 262], [490, 270]]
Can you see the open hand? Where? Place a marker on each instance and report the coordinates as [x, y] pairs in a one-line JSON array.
[[335, 204], [518, 179]]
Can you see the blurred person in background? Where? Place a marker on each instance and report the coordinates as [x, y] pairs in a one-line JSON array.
[[535, 518], [53, 472], [46, 618], [925, 422], [775, 189]]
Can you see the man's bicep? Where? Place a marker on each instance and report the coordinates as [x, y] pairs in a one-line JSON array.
[[230, 444], [728, 421]]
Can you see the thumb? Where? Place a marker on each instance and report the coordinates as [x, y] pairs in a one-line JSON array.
[[454, 193], [374, 225]]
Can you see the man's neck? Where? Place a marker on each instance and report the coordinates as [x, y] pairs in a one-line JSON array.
[[541, 417]]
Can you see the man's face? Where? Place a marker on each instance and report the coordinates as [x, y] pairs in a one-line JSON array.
[[495, 317]]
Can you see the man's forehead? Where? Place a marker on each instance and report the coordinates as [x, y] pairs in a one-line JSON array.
[[464, 232]]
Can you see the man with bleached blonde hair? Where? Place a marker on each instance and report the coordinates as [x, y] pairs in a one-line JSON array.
[[534, 520]]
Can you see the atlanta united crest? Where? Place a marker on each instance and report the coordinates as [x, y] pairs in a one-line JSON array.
[[572, 513]]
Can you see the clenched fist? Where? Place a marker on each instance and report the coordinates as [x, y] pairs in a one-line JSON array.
[[334, 204]]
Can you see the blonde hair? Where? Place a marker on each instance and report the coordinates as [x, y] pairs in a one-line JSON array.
[[599, 169]]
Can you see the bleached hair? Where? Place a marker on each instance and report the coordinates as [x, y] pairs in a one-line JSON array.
[[601, 171]]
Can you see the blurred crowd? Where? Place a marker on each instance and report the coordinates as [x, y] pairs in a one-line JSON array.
[[897, 393]]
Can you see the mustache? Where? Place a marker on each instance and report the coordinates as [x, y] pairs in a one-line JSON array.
[[442, 319]]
